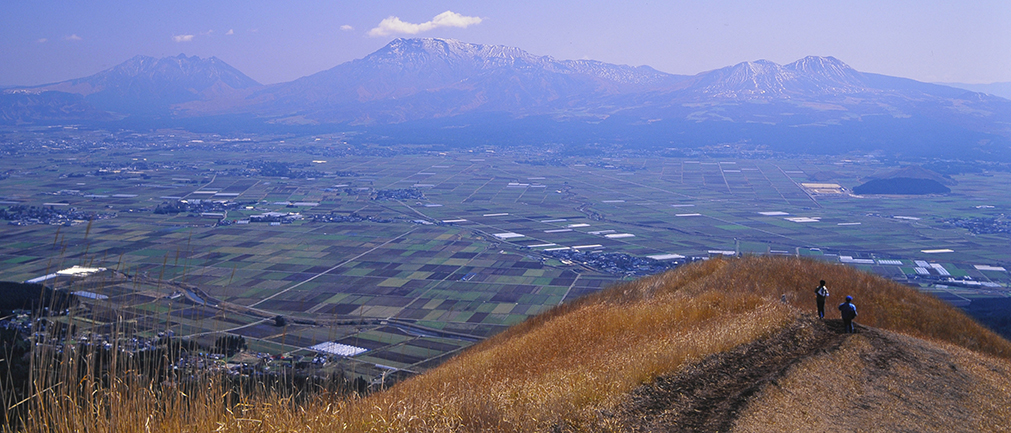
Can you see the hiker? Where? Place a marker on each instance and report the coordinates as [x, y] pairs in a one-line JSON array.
[[849, 311], [821, 292]]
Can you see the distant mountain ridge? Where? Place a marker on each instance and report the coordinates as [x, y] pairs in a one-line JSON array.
[[466, 58], [20, 107], [1002, 90], [412, 79], [811, 75], [413, 89], [146, 84]]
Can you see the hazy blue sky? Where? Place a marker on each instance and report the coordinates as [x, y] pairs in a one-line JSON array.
[[44, 41]]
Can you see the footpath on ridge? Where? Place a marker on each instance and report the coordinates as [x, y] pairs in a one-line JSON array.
[[812, 376], [710, 395]]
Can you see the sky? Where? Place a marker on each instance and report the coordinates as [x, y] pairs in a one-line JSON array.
[[44, 41]]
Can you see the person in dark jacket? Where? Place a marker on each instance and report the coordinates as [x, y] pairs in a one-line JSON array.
[[849, 311], [821, 293]]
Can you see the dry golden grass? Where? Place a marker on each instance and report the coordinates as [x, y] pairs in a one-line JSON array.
[[563, 369], [70, 396], [887, 383], [882, 303], [561, 373]]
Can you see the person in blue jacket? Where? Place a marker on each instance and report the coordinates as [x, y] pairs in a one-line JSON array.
[[849, 311]]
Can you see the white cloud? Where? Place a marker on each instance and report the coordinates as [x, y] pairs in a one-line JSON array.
[[41, 40], [73, 37], [347, 28], [182, 38], [230, 32], [393, 25]]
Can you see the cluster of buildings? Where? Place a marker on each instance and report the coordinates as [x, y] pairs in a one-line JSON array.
[[49, 213], [981, 226], [399, 194], [618, 263], [276, 218], [353, 217]]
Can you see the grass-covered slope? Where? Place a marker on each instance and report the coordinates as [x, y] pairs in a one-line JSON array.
[[882, 381], [570, 368], [710, 346]]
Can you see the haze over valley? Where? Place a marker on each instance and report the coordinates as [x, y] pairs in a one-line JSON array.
[[456, 221], [443, 91]]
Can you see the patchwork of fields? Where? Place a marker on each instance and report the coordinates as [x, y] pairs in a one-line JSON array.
[[482, 247]]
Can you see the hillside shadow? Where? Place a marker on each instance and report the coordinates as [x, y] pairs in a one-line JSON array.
[[710, 395]]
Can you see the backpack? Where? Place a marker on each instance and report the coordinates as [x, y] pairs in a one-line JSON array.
[[821, 291], [849, 311]]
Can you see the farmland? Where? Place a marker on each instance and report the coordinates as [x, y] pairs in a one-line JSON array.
[[415, 253]]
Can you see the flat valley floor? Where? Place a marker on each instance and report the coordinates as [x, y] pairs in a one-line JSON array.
[[414, 254]]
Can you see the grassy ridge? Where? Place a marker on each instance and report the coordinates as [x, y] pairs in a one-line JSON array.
[[882, 381], [882, 303], [564, 369], [567, 365]]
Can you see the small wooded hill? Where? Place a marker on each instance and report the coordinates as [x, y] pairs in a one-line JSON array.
[[902, 186], [713, 347]]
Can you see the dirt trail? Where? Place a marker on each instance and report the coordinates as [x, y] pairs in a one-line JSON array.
[[709, 396]]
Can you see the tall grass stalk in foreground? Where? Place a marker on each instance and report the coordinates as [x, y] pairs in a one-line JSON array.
[[93, 388], [565, 369]]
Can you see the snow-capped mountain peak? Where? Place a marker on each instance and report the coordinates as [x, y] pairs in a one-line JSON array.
[[764, 79], [415, 52], [828, 71]]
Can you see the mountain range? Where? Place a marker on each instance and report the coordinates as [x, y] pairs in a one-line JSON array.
[[447, 91], [997, 89]]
